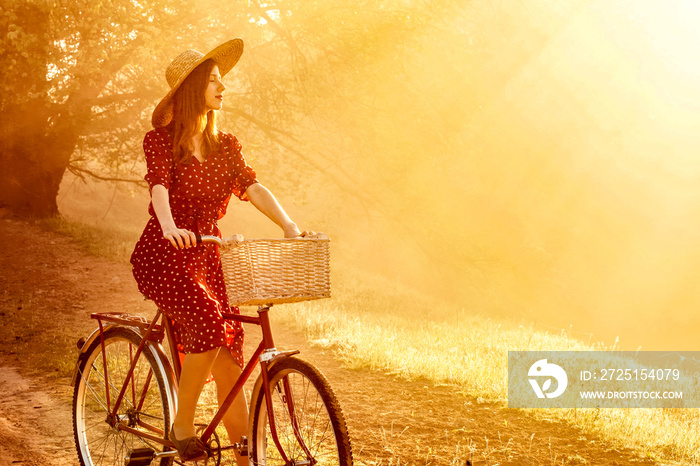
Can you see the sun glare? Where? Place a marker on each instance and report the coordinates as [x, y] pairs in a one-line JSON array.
[[654, 48]]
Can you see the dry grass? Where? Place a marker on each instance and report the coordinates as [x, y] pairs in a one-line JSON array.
[[114, 242], [374, 323], [38, 344], [379, 325]]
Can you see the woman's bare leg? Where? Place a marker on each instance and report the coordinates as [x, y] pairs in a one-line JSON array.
[[195, 370], [226, 372]]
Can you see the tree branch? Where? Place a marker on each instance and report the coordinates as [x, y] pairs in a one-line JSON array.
[[281, 32], [81, 172], [262, 125]]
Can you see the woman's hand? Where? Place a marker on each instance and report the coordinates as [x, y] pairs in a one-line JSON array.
[[291, 230], [179, 237]]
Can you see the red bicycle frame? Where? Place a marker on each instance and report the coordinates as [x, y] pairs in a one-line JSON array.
[[266, 354]]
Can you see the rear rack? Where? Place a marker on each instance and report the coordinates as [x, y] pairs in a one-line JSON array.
[[129, 320]]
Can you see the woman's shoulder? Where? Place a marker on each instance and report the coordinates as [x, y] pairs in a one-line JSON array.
[[225, 136], [157, 137], [229, 141]]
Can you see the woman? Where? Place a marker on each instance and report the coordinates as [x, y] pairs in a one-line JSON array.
[[192, 171]]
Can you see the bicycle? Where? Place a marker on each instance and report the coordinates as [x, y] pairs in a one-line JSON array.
[[125, 398]]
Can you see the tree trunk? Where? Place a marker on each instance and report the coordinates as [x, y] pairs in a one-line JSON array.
[[27, 188], [33, 160]]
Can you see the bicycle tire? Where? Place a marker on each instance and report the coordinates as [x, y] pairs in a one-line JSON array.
[[318, 413], [99, 444]]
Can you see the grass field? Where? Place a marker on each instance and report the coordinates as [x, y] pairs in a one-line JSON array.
[[374, 323]]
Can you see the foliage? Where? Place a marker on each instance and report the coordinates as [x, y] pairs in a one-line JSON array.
[[373, 110]]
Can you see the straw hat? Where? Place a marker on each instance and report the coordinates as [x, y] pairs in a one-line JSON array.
[[225, 55]]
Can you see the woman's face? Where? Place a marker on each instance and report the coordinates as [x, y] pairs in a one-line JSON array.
[[213, 96]]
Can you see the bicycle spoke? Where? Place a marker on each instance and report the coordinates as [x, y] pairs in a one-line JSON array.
[[323, 437], [101, 401], [114, 390], [106, 443], [306, 417], [100, 444], [95, 424], [104, 440]]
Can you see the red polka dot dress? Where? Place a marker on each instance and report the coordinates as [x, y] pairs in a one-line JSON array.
[[188, 284]]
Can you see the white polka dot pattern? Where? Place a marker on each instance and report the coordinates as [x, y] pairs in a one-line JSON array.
[[188, 284]]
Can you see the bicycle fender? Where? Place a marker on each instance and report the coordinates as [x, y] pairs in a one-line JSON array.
[[256, 388], [167, 370]]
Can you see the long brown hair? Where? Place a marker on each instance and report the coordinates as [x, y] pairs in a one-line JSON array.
[[190, 115]]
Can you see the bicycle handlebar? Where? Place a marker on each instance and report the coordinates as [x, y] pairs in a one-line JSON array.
[[209, 239]]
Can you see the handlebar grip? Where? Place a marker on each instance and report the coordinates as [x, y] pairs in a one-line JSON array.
[[201, 239]]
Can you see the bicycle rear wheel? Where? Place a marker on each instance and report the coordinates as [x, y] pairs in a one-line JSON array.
[[145, 405], [316, 419]]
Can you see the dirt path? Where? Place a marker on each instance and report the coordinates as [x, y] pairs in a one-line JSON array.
[[48, 288]]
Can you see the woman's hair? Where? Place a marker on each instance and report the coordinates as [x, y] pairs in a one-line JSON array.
[[190, 115]]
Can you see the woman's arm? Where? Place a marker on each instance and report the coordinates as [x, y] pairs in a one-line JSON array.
[[265, 202], [161, 205]]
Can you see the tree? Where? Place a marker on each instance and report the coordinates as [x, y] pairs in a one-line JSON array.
[[382, 110], [80, 79], [77, 76]]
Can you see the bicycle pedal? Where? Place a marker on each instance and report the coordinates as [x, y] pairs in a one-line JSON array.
[[140, 457], [242, 446]]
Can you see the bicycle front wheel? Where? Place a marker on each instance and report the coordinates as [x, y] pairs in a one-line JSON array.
[[145, 405], [309, 422]]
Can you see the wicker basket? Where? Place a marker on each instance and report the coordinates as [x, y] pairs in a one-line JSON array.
[[275, 271]]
